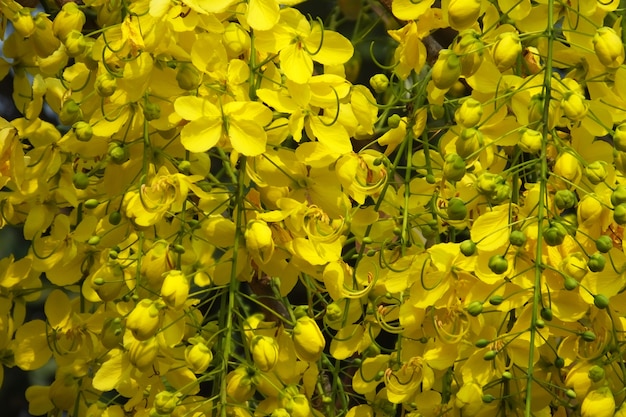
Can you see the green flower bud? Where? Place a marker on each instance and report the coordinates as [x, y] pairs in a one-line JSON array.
[[468, 248], [92, 203], [394, 121], [490, 355], [559, 362], [118, 154], [604, 244], [596, 262], [188, 77], [530, 141], [469, 143], [554, 234], [608, 47], [540, 324], [469, 113], [470, 50], [601, 301], [496, 300], [488, 398], [463, 14], [115, 217], [83, 131], [453, 167], [574, 265], [264, 352], [498, 264], [619, 214], [475, 308], [570, 393], [151, 110], [379, 83], [481, 343], [75, 44], [618, 196], [80, 181], [588, 336], [619, 137], [456, 209], [574, 106], [546, 314], [447, 69], [70, 113], [334, 312], [93, 240], [105, 85], [570, 283], [517, 238], [506, 50], [596, 172], [596, 373], [69, 18], [506, 375], [565, 199]]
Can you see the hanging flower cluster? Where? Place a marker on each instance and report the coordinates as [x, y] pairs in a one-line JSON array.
[[223, 223]]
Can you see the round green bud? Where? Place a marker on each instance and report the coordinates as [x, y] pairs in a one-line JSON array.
[[565, 199], [596, 262], [83, 131], [488, 398], [496, 300], [546, 314], [506, 375], [619, 138], [601, 301], [498, 264], [467, 248], [475, 308], [188, 77], [559, 362], [105, 85], [367, 240], [118, 154], [540, 324], [453, 167], [379, 83], [70, 113], [588, 336], [570, 393], [94, 240], [604, 244], [490, 355], [80, 180], [394, 121], [517, 238], [570, 283], [115, 217], [554, 234], [456, 209], [92, 203], [481, 343], [618, 196], [596, 172], [619, 214], [184, 166], [596, 373], [151, 110]]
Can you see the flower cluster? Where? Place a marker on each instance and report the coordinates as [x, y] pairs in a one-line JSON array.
[[224, 223]]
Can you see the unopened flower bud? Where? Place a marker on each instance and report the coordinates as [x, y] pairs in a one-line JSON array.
[[394, 121], [554, 234], [151, 110], [599, 402], [469, 143], [470, 50], [469, 112], [143, 353], [453, 167], [105, 85], [235, 39], [463, 14], [144, 320], [75, 43], [596, 172], [23, 22], [294, 402], [108, 281], [456, 209], [379, 83], [608, 47], [240, 384], [447, 69], [175, 289], [308, 339], [69, 18], [198, 357], [565, 199], [70, 113], [619, 137], [618, 196], [574, 106], [486, 183], [334, 312], [506, 50], [83, 131], [574, 265], [596, 262], [264, 352], [112, 334], [165, 402], [188, 77], [568, 169], [589, 211], [259, 240]]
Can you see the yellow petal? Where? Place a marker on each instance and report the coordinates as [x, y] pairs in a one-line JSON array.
[[202, 134]]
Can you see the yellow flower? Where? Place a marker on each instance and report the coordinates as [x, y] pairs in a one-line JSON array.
[[598, 403], [198, 356], [308, 339], [463, 14], [506, 50], [259, 240], [608, 47], [264, 352], [410, 55], [145, 319], [241, 384], [175, 289]]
